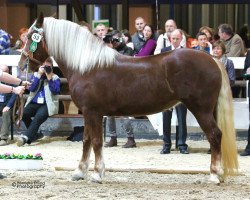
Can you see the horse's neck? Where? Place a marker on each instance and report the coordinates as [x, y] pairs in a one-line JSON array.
[[67, 72]]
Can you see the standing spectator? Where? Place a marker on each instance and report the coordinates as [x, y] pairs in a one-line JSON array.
[[150, 44], [164, 39], [101, 30], [233, 42], [5, 77], [118, 44], [203, 43], [246, 70], [7, 101], [41, 103], [4, 43], [137, 37], [219, 50], [181, 110]]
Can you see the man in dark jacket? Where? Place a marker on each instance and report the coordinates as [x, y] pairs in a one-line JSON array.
[[181, 110]]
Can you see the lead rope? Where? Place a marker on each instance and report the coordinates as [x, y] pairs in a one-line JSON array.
[[19, 104]]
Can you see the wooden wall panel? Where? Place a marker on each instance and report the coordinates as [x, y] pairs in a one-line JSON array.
[[18, 16]]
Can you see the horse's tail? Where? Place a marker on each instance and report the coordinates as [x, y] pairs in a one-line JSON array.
[[225, 121]]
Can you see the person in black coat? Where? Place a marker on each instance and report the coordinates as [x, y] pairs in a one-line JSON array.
[[181, 110], [246, 73]]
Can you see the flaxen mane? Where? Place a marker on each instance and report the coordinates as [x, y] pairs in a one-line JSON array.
[[74, 44]]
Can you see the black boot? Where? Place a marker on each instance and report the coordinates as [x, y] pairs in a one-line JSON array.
[[112, 142], [166, 148], [183, 149], [130, 143]]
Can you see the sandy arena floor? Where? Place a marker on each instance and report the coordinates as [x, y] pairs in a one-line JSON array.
[[124, 185]]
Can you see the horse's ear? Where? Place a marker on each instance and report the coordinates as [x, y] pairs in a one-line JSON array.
[[39, 21]]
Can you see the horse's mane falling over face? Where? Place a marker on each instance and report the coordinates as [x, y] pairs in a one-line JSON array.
[[76, 46]]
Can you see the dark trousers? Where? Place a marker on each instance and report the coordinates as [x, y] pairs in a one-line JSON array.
[[126, 125], [181, 129], [40, 114], [248, 137]]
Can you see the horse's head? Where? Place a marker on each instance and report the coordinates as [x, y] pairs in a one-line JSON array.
[[35, 51]]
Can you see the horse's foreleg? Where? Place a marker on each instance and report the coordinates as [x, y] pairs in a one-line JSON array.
[[82, 170], [213, 133], [97, 142]]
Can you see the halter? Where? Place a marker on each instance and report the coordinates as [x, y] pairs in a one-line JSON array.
[[19, 103], [36, 38]]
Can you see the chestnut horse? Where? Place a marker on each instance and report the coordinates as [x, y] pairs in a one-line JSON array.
[[103, 82]]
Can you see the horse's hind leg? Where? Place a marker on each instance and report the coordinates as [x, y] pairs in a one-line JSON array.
[[213, 133]]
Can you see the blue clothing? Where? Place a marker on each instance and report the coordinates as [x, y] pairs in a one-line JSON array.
[[229, 66], [4, 43], [206, 49], [54, 86], [7, 99]]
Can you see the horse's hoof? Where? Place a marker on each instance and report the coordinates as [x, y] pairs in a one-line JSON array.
[[78, 175], [214, 179], [96, 178]]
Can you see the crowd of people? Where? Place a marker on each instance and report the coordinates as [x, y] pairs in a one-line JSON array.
[[145, 41]]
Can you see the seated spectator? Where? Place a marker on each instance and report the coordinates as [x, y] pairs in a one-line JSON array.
[[194, 43], [127, 38], [233, 42], [209, 32], [203, 43], [150, 44], [7, 101], [219, 51], [42, 102], [4, 43]]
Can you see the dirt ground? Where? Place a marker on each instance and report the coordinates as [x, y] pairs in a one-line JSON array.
[[117, 184]]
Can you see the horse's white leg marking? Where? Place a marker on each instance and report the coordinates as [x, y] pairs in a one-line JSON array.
[[100, 166], [82, 170], [217, 177]]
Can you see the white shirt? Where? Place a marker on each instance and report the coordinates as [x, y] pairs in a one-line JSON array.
[[162, 38]]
